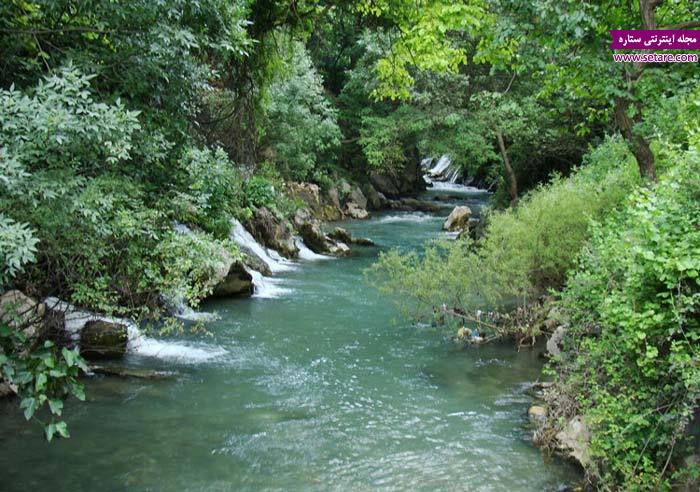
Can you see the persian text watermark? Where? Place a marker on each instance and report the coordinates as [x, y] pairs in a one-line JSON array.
[[655, 57]]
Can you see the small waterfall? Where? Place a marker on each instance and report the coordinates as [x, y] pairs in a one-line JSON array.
[[442, 164], [305, 253], [138, 343], [270, 257], [142, 345], [180, 309], [267, 287], [445, 176]]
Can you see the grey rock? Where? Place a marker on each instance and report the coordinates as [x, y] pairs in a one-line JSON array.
[[103, 339]]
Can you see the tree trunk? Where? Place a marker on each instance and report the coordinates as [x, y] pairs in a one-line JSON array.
[[647, 8], [638, 145], [512, 182]]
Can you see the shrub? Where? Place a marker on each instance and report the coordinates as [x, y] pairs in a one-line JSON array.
[[526, 250], [191, 263], [632, 357]]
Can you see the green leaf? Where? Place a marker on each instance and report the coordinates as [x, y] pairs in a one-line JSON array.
[[41, 380], [62, 429], [56, 406]]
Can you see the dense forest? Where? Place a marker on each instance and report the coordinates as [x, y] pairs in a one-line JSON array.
[[123, 123]]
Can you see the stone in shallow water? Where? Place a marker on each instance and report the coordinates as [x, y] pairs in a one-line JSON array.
[[458, 219], [128, 372], [103, 339]]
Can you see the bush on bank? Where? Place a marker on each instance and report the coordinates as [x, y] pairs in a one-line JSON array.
[[525, 250], [632, 361]]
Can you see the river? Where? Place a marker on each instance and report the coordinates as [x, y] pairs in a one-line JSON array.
[[320, 385]]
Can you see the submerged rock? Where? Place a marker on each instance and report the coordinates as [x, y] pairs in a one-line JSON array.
[[128, 372], [103, 339], [458, 219]]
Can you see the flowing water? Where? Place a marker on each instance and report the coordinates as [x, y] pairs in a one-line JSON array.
[[322, 386]]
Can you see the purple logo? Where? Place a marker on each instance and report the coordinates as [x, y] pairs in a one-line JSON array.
[[655, 40]]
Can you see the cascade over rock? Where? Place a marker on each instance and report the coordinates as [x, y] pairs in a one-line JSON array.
[[310, 230], [273, 232], [228, 278]]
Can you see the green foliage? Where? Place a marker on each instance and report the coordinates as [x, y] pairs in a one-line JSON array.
[[632, 357], [423, 40], [44, 378], [301, 125], [525, 250], [17, 248], [213, 190], [259, 192], [192, 263]]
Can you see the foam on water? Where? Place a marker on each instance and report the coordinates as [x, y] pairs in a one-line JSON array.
[[445, 186], [306, 254], [267, 287], [270, 257], [181, 352], [138, 343], [406, 217]]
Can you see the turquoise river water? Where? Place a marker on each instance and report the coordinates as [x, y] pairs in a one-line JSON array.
[[322, 387]]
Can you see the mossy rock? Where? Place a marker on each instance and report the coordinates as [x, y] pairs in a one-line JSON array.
[[102, 339]]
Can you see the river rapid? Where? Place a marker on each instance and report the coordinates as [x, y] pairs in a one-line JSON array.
[[318, 383]]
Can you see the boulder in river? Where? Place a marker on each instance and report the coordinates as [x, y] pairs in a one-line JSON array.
[[375, 200], [354, 211], [407, 180], [238, 281], [340, 234], [273, 232], [103, 339], [363, 241], [412, 204], [458, 219], [310, 230], [343, 236]]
